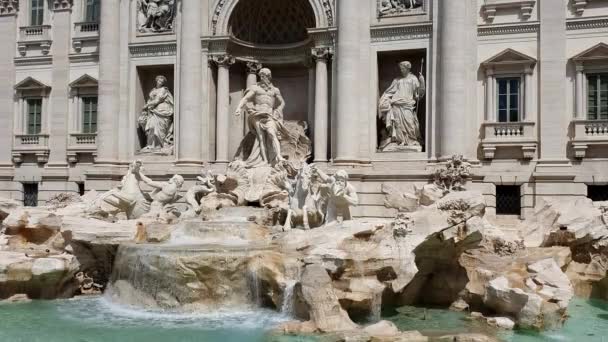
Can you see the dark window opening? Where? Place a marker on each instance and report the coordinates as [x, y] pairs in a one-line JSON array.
[[597, 193], [81, 189], [36, 12], [509, 100], [92, 11], [597, 96], [89, 114], [508, 200], [30, 194]]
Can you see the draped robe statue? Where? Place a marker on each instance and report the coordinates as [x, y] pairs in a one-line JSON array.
[[397, 109], [156, 119]]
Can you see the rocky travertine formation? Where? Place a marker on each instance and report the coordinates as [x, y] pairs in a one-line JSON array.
[[332, 277]]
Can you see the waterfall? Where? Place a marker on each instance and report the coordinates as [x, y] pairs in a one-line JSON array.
[[287, 308]]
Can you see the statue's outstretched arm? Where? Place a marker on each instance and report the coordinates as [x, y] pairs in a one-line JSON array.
[[249, 96]]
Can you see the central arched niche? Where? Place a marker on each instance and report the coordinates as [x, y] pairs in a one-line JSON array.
[[271, 22]]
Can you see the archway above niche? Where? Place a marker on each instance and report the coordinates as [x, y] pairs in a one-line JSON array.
[[271, 22], [223, 9]]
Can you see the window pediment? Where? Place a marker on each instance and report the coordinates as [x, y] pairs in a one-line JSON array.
[[597, 52], [31, 83], [509, 57], [84, 81]]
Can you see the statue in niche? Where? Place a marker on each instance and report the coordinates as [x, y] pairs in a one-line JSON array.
[[155, 15], [263, 104], [156, 119], [396, 7], [398, 109]]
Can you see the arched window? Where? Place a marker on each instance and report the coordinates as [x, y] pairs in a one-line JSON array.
[[272, 22]]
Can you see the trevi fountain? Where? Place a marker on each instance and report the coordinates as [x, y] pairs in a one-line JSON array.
[[267, 245]]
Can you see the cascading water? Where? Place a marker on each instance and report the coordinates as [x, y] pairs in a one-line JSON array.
[[287, 308]]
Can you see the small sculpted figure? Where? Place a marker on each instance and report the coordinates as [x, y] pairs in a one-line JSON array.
[[341, 195], [164, 193], [205, 185]]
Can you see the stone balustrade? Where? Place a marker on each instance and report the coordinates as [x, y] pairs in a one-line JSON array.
[[81, 143], [84, 31], [588, 133], [39, 35], [519, 135], [36, 144]]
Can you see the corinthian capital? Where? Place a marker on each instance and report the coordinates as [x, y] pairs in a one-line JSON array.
[[323, 53], [62, 5], [253, 67], [223, 60], [9, 7]]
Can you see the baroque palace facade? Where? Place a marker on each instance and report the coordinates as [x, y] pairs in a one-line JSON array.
[[519, 88]]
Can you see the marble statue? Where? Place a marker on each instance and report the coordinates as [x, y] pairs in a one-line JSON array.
[[205, 185], [127, 198], [155, 15], [156, 119], [164, 195], [263, 104], [396, 7], [339, 194], [398, 110], [307, 206]]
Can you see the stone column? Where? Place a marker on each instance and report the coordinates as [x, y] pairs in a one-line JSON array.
[[580, 97], [109, 83], [347, 64], [321, 56], [190, 84], [58, 120], [553, 122], [457, 55], [223, 107], [252, 73], [490, 95], [8, 28]]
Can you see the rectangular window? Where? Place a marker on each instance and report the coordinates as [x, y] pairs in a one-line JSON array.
[[92, 11], [508, 200], [34, 116], [509, 99], [597, 97], [37, 12], [89, 114], [597, 193], [30, 194]]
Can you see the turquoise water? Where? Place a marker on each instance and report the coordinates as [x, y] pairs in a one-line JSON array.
[[588, 322], [97, 320]]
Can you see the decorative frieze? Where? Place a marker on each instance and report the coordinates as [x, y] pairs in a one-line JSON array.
[[393, 8], [495, 30], [586, 23], [153, 50], [387, 33], [9, 7]]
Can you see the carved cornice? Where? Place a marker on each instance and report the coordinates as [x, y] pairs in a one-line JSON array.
[[223, 60], [493, 30], [586, 23], [153, 50], [323, 37], [490, 7], [9, 7], [253, 67], [388, 33], [62, 5]]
